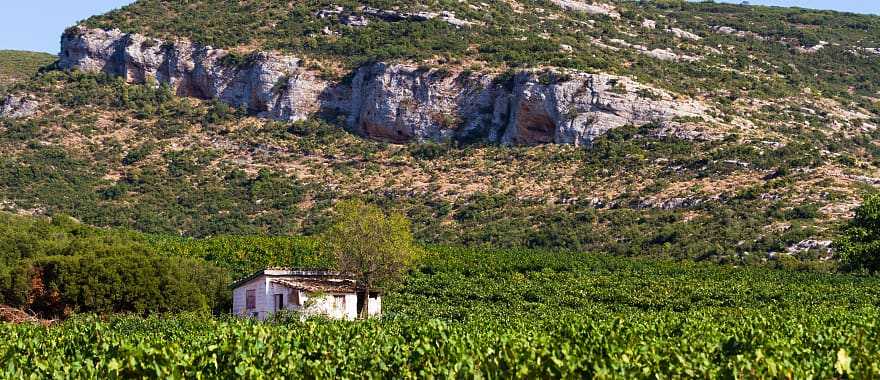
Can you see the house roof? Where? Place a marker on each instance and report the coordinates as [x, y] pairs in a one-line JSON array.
[[287, 272], [313, 286], [310, 280]]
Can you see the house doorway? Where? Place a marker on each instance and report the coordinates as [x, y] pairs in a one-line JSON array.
[[279, 302], [361, 303]]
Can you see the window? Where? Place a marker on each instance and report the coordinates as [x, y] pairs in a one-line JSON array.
[[294, 297], [279, 302], [339, 301], [251, 299]]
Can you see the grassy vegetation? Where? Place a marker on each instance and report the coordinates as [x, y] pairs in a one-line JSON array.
[[16, 66], [59, 266], [19, 66], [550, 261], [138, 157]]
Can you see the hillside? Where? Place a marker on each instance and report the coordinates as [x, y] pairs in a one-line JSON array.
[[542, 189], [16, 66], [720, 132]]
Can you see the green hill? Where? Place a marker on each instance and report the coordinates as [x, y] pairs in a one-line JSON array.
[[16, 66], [138, 157], [662, 247]]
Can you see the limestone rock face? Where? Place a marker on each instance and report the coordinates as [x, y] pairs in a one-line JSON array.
[[588, 7], [401, 103], [267, 84], [18, 106], [392, 102], [577, 108]]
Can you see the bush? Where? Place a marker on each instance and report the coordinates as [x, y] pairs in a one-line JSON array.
[[122, 284], [859, 245], [428, 151], [58, 266]]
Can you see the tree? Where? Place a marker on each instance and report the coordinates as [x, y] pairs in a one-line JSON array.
[[374, 248], [859, 245]]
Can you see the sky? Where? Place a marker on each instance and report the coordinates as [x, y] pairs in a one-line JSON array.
[[858, 6], [36, 25]]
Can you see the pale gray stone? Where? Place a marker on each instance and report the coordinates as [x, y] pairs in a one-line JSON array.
[[393, 102]]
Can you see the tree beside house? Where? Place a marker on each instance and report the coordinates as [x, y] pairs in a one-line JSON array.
[[372, 251]]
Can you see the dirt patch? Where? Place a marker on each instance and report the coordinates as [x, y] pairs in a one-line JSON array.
[[12, 315]]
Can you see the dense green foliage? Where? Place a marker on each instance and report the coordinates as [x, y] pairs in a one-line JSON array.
[[374, 247], [125, 283], [24, 240], [59, 266], [243, 255], [710, 344], [859, 245], [505, 314]]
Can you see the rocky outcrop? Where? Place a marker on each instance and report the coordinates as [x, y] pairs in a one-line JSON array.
[[347, 17], [809, 245], [402, 103], [18, 106], [393, 102], [657, 53], [738, 33], [576, 108], [269, 85], [583, 6], [684, 34]]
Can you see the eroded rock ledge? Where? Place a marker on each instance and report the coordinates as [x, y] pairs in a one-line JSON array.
[[393, 102]]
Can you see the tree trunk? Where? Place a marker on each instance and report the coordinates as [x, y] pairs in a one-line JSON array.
[[367, 284], [365, 311]]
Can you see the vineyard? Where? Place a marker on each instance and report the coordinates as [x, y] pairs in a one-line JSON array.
[[468, 313]]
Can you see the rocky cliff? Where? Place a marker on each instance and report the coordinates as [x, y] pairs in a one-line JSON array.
[[393, 102], [269, 85]]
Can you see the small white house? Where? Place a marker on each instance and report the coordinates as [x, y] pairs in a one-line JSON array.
[[310, 292]]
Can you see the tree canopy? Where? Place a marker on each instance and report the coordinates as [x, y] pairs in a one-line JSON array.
[[859, 245], [374, 247]]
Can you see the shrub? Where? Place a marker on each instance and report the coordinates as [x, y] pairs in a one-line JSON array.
[[859, 245], [125, 283]]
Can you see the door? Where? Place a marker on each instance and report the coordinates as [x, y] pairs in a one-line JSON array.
[[279, 302], [251, 300]]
